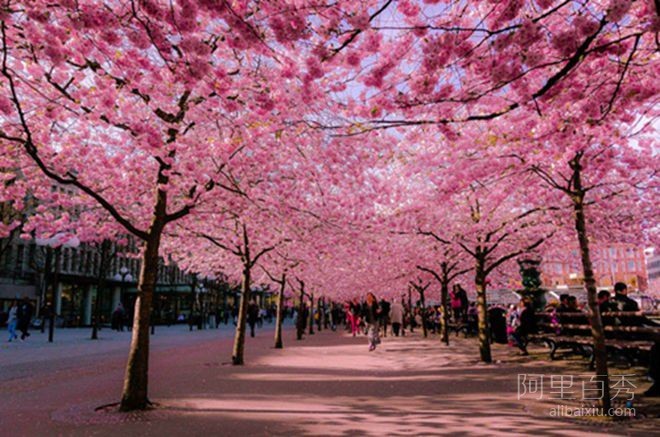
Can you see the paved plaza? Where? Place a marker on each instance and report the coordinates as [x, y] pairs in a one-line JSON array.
[[327, 384]]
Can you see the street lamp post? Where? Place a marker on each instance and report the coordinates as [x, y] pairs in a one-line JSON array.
[[124, 276]]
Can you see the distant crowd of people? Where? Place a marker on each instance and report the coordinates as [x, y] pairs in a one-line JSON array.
[[19, 317], [511, 324], [373, 317]]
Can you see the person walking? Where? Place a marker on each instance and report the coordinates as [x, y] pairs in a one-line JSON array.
[[252, 316], [526, 326], [465, 302], [456, 305], [512, 323], [12, 321], [335, 315], [24, 316], [354, 315], [385, 315], [396, 317], [371, 315], [117, 319]]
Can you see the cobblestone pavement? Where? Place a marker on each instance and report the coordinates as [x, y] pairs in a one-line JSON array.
[[327, 384]]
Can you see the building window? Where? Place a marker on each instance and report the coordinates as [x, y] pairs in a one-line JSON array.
[[65, 259], [83, 261], [631, 266], [7, 258], [19, 259], [612, 252], [74, 260]]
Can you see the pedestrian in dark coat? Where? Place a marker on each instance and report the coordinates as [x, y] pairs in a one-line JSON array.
[[252, 316], [24, 316]]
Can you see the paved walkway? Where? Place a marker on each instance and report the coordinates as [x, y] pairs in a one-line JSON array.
[[73, 348], [328, 384]]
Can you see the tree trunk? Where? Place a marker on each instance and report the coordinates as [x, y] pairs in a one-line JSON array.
[[423, 313], [193, 300], [55, 281], [326, 318], [300, 321], [597, 331], [44, 288], [311, 314], [444, 291], [411, 313], [280, 312], [482, 308], [134, 396], [239, 339]]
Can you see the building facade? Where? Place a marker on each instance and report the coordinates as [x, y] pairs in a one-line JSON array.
[[612, 263], [653, 269], [81, 289]]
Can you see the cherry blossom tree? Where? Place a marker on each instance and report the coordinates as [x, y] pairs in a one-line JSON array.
[[415, 63], [446, 264], [493, 235], [120, 101], [609, 186]]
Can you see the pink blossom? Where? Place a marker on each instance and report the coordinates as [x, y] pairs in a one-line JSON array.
[[544, 4], [6, 107], [37, 14], [528, 33], [585, 25], [353, 59], [314, 69], [618, 9], [423, 84], [375, 78], [152, 8], [140, 39], [55, 53], [290, 26], [511, 10], [359, 19], [654, 24], [372, 42], [504, 71], [565, 42], [408, 8], [111, 37], [289, 71], [194, 45], [503, 41]]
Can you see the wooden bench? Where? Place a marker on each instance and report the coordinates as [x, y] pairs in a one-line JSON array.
[[557, 342], [632, 343], [457, 328]]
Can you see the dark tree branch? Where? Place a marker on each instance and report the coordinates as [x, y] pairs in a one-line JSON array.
[[354, 34], [222, 246], [511, 255]]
